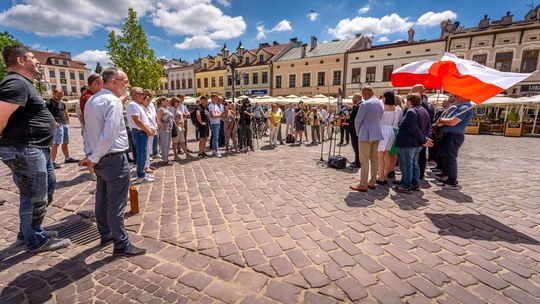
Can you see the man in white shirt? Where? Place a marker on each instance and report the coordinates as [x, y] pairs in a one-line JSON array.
[[216, 111], [323, 114], [140, 126], [106, 145]]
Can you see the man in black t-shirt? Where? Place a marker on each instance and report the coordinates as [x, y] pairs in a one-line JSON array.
[[203, 120], [244, 126], [58, 110], [26, 134]]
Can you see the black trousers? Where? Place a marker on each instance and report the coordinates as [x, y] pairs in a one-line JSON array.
[[450, 144], [422, 161], [344, 132], [354, 143]]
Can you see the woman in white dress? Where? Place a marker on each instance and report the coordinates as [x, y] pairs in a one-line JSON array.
[[388, 121]]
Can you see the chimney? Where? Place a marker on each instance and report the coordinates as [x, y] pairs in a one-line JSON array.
[[303, 50], [506, 20], [263, 45], [484, 23], [411, 35], [293, 40], [313, 42], [275, 43], [68, 54]]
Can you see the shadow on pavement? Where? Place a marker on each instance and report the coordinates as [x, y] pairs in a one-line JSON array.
[[411, 201], [75, 181], [477, 226], [455, 195], [365, 199], [38, 285]]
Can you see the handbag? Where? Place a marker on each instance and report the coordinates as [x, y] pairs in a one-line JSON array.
[[337, 162], [174, 131]]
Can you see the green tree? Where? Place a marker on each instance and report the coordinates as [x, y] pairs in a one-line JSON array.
[[5, 40], [130, 52]]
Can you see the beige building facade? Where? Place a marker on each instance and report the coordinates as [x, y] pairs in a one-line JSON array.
[[60, 71], [505, 45], [308, 70], [373, 65], [181, 77]]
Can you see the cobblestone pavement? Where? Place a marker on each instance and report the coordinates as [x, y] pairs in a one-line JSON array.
[[272, 226]]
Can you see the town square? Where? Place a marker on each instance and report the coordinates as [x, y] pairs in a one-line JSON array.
[[386, 155]]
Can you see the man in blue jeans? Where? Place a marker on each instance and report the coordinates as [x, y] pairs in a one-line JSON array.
[[414, 134], [216, 111], [26, 135]]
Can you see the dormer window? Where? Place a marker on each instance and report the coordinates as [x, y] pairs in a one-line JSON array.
[[64, 62], [261, 58], [219, 64], [205, 66], [246, 60]]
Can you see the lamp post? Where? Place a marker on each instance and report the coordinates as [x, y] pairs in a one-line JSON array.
[[232, 65]]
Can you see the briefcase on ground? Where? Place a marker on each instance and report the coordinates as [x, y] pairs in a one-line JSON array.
[[337, 162]]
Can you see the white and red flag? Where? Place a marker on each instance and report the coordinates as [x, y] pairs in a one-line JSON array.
[[461, 77]]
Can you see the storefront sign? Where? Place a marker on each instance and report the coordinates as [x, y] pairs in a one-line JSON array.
[[259, 92], [530, 88]]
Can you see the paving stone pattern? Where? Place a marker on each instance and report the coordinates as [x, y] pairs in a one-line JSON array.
[[272, 226]]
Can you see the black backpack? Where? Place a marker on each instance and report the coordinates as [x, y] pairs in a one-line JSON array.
[[290, 139], [194, 119]]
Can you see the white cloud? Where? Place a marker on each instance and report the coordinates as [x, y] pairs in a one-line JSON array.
[[313, 16], [224, 2], [260, 32], [45, 18], [434, 19], [92, 57], [383, 39], [282, 26], [347, 28], [364, 9], [197, 42]]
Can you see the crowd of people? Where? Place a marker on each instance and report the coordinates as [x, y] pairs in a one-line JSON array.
[[121, 125]]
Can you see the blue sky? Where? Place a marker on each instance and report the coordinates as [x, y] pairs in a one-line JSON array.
[[188, 29]]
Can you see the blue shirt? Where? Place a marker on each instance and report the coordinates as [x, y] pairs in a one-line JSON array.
[[464, 117], [105, 130]]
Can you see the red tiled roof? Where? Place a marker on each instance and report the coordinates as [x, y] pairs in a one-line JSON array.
[[44, 57]]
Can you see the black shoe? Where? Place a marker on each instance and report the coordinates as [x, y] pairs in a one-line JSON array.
[[71, 160], [355, 165], [380, 182], [129, 250], [391, 175], [402, 190], [451, 185], [415, 187], [56, 166]]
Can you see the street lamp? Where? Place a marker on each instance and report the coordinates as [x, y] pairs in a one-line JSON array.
[[232, 65]]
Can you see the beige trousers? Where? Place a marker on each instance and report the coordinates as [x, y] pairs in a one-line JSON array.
[[369, 162]]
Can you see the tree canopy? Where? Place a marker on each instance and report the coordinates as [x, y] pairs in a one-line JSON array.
[[5, 40], [129, 51]]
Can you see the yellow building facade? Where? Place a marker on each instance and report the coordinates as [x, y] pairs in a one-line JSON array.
[[210, 77]]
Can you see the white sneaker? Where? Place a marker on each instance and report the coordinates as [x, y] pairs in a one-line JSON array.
[[217, 155], [143, 180]]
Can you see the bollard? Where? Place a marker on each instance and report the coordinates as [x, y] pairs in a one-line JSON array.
[[134, 199]]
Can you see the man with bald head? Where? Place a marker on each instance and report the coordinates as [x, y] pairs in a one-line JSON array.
[[422, 158], [105, 146]]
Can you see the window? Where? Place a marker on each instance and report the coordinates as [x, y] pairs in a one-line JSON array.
[[62, 75], [278, 81], [246, 78], [246, 60], [183, 83], [190, 83], [428, 50], [255, 78], [355, 75], [292, 65], [219, 64], [81, 76], [337, 60], [205, 66], [64, 62], [481, 43], [320, 79], [306, 79], [529, 61], [480, 58], [264, 77], [64, 89], [213, 79], [71, 75], [389, 54], [307, 63], [237, 78], [370, 74], [172, 84], [206, 82], [503, 61], [387, 72], [407, 52], [52, 74], [229, 81], [73, 90], [321, 62], [220, 81], [261, 58], [177, 84], [292, 81], [337, 78], [56, 61], [198, 82]]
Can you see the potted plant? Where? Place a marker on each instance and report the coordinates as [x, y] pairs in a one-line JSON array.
[[513, 125], [473, 127]]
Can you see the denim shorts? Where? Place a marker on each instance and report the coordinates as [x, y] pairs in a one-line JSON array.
[[61, 135]]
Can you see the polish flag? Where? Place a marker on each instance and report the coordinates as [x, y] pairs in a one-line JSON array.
[[472, 80], [415, 73]]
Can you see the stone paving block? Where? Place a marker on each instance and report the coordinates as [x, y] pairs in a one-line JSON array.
[[196, 280], [342, 258], [222, 270], [254, 257], [195, 261], [492, 296], [250, 280], [352, 289], [433, 275], [485, 277], [384, 295], [282, 266], [400, 287], [397, 267], [314, 298], [245, 242], [318, 256], [222, 292], [298, 258], [522, 283], [297, 280], [425, 287], [462, 294], [314, 277], [169, 270], [283, 292]]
